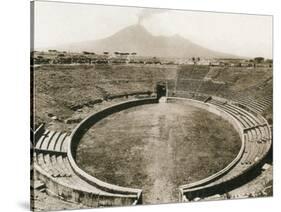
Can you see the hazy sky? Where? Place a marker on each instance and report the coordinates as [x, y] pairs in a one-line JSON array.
[[245, 35]]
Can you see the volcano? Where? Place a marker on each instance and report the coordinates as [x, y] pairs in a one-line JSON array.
[[136, 38]]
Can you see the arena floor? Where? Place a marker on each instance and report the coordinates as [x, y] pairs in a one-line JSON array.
[[158, 147]]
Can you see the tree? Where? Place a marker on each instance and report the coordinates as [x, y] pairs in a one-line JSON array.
[[52, 50], [193, 60], [258, 59], [269, 61]]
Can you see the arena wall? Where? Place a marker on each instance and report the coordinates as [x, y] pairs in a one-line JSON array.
[[94, 118], [127, 196]]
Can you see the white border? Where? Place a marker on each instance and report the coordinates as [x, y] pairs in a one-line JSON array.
[[14, 157]]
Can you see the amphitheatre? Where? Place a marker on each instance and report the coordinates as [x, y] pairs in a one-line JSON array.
[[129, 134]]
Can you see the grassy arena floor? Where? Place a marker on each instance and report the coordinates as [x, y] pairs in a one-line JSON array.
[[158, 147]]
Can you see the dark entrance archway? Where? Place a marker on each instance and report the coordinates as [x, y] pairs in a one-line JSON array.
[[161, 89]]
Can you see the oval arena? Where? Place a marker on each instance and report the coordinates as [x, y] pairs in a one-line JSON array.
[[183, 141]]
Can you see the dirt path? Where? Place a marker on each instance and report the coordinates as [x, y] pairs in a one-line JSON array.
[[161, 156]]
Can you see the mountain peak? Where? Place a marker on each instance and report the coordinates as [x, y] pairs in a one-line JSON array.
[[177, 36], [136, 38], [136, 29]]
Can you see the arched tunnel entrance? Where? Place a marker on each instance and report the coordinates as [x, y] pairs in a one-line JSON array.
[[161, 89]]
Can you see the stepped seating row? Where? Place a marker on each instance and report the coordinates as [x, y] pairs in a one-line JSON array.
[[257, 105], [263, 88], [122, 88], [263, 101], [200, 71], [52, 164], [246, 119], [171, 84], [188, 85], [209, 87], [257, 142], [251, 96], [225, 91], [256, 145], [183, 94], [195, 96], [53, 141], [199, 97], [193, 72]]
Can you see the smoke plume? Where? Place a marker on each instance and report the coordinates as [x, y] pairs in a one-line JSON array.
[[148, 13]]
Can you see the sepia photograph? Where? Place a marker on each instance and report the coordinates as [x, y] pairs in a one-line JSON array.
[[139, 106]]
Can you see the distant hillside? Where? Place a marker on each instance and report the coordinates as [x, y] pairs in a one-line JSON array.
[[136, 38]]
